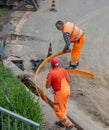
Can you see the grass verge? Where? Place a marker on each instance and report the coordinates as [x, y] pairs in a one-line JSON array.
[[22, 101]]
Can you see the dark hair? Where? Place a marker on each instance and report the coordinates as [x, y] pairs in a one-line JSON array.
[[59, 23]]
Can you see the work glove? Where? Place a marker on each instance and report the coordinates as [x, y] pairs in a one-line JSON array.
[[66, 48]]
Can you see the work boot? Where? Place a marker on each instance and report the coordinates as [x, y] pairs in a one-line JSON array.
[[58, 123], [70, 127], [73, 66]]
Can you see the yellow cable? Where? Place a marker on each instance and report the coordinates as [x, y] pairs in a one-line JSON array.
[[46, 60], [73, 71], [37, 91], [69, 71], [42, 64], [43, 93]]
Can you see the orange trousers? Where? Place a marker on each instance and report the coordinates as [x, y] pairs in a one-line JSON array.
[[76, 50], [60, 102]]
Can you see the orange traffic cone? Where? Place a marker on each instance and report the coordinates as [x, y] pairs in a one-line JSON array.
[[53, 6]]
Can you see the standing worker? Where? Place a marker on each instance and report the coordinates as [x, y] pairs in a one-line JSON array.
[[58, 79], [72, 34]]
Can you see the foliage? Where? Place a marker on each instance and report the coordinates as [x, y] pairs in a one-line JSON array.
[[21, 99]]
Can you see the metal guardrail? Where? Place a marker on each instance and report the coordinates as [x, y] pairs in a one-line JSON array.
[[13, 121]]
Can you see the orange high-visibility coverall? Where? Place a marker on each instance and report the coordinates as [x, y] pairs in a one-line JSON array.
[[58, 77], [77, 37]]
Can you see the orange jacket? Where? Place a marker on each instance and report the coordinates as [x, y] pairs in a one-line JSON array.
[[73, 30], [55, 76]]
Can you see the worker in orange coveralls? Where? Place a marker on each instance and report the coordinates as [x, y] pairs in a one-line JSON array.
[[72, 34], [58, 79]]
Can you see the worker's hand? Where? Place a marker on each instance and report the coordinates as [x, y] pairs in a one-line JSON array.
[[66, 48]]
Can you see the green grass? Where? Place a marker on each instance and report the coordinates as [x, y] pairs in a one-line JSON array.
[[21, 99]]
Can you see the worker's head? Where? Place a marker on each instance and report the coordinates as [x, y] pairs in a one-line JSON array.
[[59, 25], [55, 62]]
